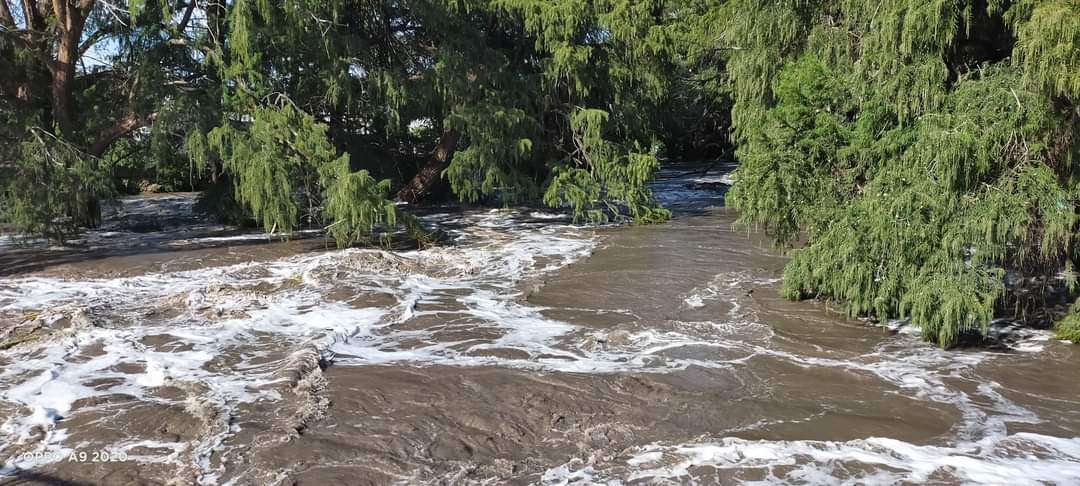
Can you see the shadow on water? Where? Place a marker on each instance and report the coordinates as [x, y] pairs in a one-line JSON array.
[[22, 260], [161, 228], [26, 478]]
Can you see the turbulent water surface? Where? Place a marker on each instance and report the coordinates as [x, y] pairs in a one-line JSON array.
[[525, 350]]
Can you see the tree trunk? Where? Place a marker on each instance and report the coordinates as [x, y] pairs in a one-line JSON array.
[[430, 175], [34, 15], [6, 18], [70, 20]]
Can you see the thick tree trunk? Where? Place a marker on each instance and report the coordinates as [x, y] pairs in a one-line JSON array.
[[430, 175], [70, 20]]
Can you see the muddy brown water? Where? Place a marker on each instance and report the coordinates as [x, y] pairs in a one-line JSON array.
[[526, 351]]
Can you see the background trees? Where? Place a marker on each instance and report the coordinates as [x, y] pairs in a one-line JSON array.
[[921, 154], [76, 76], [506, 101]]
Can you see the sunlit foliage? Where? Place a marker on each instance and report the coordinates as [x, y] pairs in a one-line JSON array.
[[923, 152]]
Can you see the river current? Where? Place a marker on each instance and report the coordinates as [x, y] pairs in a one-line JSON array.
[[523, 350]]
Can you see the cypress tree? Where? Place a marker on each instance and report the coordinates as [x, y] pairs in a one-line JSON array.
[[77, 79], [533, 101], [921, 155], [926, 152]]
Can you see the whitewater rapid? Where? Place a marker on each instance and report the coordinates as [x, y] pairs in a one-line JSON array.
[[200, 375]]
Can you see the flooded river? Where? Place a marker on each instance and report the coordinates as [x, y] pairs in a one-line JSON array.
[[525, 350]]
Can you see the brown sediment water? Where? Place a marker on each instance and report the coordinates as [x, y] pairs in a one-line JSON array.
[[527, 350]]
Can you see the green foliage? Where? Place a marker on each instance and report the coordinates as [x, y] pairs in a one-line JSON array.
[[355, 202], [922, 155], [551, 100], [786, 179], [921, 168], [497, 156], [81, 136], [1069, 327], [283, 166], [1048, 45], [53, 188], [266, 159], [612, 173]]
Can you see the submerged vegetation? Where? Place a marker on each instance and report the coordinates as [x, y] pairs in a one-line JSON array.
[[926, 151], [919, 157]]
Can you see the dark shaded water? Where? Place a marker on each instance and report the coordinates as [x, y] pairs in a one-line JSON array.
[[529, 351]]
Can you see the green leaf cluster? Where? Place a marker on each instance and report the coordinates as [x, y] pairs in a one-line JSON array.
[[285, 170], [52, 188], [921, 155]]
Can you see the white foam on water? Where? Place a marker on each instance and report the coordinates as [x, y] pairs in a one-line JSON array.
[[258, 312], [985, 453], [156, 448], [725, 179], [575, 472], [1019, 459], [980, 451], [262, 313], [728, 288], [550, 216], [694, 301], [1034, 343]]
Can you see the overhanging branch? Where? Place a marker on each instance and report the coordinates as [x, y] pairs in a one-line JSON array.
[[122, 128]]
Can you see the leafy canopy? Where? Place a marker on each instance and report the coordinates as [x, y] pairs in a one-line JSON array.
[[925, 151]]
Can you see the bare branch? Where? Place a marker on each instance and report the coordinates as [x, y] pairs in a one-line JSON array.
[[117, 12], [186, 19], [122, 128], [91, 40]]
